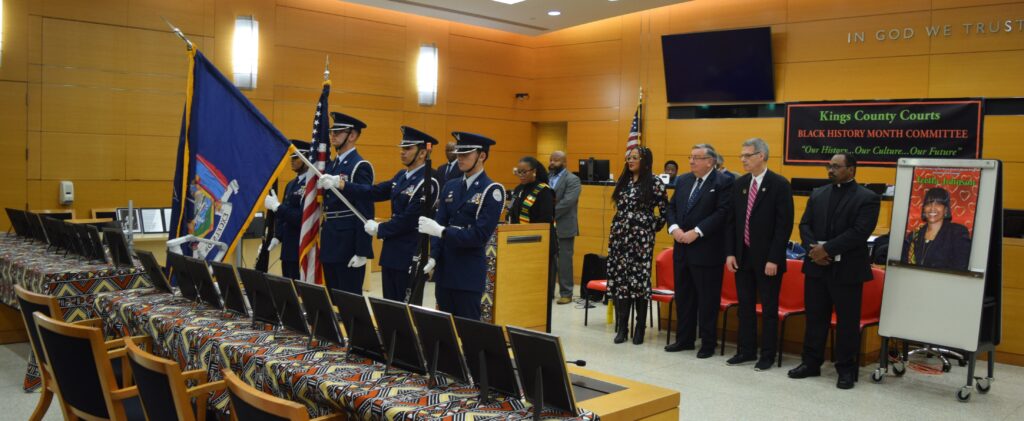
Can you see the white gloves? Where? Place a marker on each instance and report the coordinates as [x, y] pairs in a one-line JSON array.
[[271, 202], [357, 262], [327, 181], [274, 242], [430, 227], [429, 267], [370, 227]]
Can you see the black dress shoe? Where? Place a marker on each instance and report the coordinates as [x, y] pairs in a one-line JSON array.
[[740, 359], [679, 346], [846, 381], [706, 352], [803, 371], [764, 364]]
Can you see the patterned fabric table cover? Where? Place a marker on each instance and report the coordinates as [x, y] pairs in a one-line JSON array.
[[74, 282], [324, 379]]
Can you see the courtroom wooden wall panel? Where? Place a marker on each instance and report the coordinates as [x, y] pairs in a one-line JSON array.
[[13, 143], [487, 89], [725, 135], [952, 4], [816, 40], [82, 156], [804, 10], [596, 137], [146, 194], [373, 76], [696, 16], [150, 157], [488, 56], [300, 67], [895, 77], [191, 16], [16, 26], [595, 91], [374, 39], [602, 30], [1002, 139], [985, 74], [989, 15], [112, 12], [595, 58], [310, 30]]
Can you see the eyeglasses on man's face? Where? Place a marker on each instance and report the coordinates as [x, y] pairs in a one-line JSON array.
[[698, 157], [748, 155], [834, 167]]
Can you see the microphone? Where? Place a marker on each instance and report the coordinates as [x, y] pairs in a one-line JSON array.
[[581, 363]]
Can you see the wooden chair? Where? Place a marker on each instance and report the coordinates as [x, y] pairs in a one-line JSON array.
[[30, 302], [247, 404], [162, 389], [82, 373]]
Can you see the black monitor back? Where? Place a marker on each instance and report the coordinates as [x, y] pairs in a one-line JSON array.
[[154, 271], [180, 275], [287, 302], [320, 312], [74, 240], [18, 222], [230, 291], [536, 351], [486, 340], [355, 316], [35, 224], [261, 300], [95, 243], [200, 274], [440, 343], [395, 324], [118, 245]]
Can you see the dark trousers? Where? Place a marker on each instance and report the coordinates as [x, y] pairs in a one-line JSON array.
[[565, 251], [290, 270], [394, 282], [751, 282], [458, 302], [699, 296], [820, 295], [340, 276]]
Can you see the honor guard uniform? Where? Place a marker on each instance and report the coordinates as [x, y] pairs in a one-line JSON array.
[[405, 192], [288, 214], [344, 246], [467, 214]]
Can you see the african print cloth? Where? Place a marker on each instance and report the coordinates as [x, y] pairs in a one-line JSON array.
[[323, 377], [73, 281]]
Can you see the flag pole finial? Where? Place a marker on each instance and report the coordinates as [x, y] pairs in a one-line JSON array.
[[327, 68], [188, 44]]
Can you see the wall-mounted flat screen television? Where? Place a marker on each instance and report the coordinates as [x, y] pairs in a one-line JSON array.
[[719, 66]]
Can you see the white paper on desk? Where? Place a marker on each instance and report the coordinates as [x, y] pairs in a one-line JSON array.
[[152, 221]]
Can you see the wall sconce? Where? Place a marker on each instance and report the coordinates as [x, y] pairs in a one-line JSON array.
[[245, 51], [426, 74]]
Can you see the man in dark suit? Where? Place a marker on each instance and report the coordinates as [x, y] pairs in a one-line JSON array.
[[289, 214], [697, 218], [467, 216], [835, 228], [567, 197], [344, 246], [760, 224], [449, 170]]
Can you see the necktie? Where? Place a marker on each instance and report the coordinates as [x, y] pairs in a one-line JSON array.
[[751, 196], [693, 195]]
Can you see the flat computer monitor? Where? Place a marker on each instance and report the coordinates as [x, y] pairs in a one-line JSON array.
[[261, 300], [440, 343], [35, 223], [323, 321], [487, 356], [118, 247], [74, 241], [230, 291], [401, 343], [95, 244], [18, 222], [355, 316], [54, 232], [287, 302], [542, 371], [200, 274], [154, 271], [180, 275]]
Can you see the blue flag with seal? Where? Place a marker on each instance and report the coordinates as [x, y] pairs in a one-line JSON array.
[[228, 157]]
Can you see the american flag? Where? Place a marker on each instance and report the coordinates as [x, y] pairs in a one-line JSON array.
[[309, 235], [634, 129]]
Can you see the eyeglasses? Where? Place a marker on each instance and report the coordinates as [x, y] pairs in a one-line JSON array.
[[748, 155], [834, 167], [694, 157], [633, 158], [520, 173]]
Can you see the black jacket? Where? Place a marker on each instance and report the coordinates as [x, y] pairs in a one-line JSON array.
[[710, 213], [771, 221], [951, 248], [855, 219]]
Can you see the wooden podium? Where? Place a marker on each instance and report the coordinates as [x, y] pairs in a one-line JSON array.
[[520, 273]]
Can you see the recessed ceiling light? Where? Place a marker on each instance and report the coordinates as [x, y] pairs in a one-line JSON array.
[[554, 13], [510, 1]]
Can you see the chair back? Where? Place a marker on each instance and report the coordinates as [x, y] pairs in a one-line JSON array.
[[729, 285], [161, 386], [664, 270], [247, 403], [791, 293], [871, 303], [594, 267], [47, 305], [81, 369]]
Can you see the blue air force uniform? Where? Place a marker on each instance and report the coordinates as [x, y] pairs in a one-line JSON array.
[[399, 233], [288, 220], [469, 209], [341, 233]]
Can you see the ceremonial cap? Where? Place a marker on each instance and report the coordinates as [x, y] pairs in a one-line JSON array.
[[469, 142], [344, 121], [413, 137]]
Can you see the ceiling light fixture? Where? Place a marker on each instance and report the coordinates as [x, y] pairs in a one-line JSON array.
[[554, 13], [510, 1]]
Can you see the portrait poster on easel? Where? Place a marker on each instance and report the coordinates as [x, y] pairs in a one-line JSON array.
[[941, 217]]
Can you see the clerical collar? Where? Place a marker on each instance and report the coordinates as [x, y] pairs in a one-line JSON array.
[[844, 185]]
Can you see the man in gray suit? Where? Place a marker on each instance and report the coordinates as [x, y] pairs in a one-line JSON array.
[[567, 196]]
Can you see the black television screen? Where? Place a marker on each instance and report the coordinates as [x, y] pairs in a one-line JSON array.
[[719, 66]]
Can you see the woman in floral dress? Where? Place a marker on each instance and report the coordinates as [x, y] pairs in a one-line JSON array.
[[631, 242]]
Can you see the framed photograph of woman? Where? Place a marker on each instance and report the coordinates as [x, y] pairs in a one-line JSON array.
[[941, 218]]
